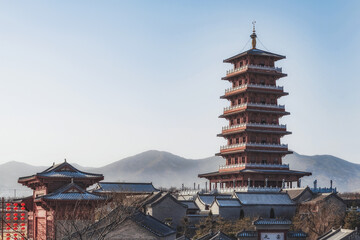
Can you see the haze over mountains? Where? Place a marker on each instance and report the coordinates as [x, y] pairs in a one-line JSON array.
[[165, 170]]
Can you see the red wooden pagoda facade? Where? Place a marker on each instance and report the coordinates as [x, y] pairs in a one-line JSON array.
[[59, 200], [254, 151]]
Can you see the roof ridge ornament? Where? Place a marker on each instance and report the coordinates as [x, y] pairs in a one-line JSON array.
[[253, 36]]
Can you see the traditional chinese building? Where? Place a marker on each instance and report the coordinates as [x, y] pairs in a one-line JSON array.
[[254, 151], [60, 200]]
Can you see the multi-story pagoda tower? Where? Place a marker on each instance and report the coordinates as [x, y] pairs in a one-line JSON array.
[[254, 151]]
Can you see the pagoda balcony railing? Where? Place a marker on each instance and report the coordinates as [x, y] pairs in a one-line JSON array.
[[254, 125], [254, 165], [239, 69], [264, 105], [253, 85], [249, 189], [254, 145]]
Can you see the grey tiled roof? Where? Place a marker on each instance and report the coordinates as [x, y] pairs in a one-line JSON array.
[[337, 234], [190, 204], [72, 192], [208, 199], [247, 234], [251, 198], [298, 234], [296, 192], [118, 187], [272, 221], [228, 202], [152, 224]]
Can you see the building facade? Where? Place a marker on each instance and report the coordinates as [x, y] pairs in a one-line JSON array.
[[253, 153]]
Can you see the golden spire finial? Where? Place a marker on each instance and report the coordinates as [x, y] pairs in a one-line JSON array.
[[253, 36]]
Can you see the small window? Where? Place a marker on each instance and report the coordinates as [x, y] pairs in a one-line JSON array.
[[243, 159]]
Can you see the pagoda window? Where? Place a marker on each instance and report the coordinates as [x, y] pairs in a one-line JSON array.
[[228, 161], [246, 81], [244, 119], [263, 101], [274, 140], [276, 161], [231, 122], [241, 63], [243, 160], [264, 161], [263, 121], [244, 139], [263, 141], [236, 161], [262, 82], [237, 140], [238, 121], [273, 101]]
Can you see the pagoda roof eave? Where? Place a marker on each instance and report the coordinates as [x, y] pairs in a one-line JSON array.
[[255, 171], [254, 130], [229, 96], [282, 113], [254, 51], [280, 75], [254, 150]]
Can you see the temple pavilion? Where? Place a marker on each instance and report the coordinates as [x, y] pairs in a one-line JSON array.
[[253, 153], [59, 198]]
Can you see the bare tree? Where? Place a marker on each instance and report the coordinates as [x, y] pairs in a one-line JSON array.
[[78, 224], [317, 218]]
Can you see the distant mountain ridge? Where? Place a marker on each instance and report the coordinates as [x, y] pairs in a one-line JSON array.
[[165, 170]]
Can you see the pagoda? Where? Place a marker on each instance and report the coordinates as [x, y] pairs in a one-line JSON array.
[[254, 152], [59, 199]]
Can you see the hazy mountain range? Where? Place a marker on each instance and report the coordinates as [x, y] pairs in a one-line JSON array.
[[165, 169]]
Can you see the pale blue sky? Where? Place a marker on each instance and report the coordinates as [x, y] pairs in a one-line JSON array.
[[96, 81]]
